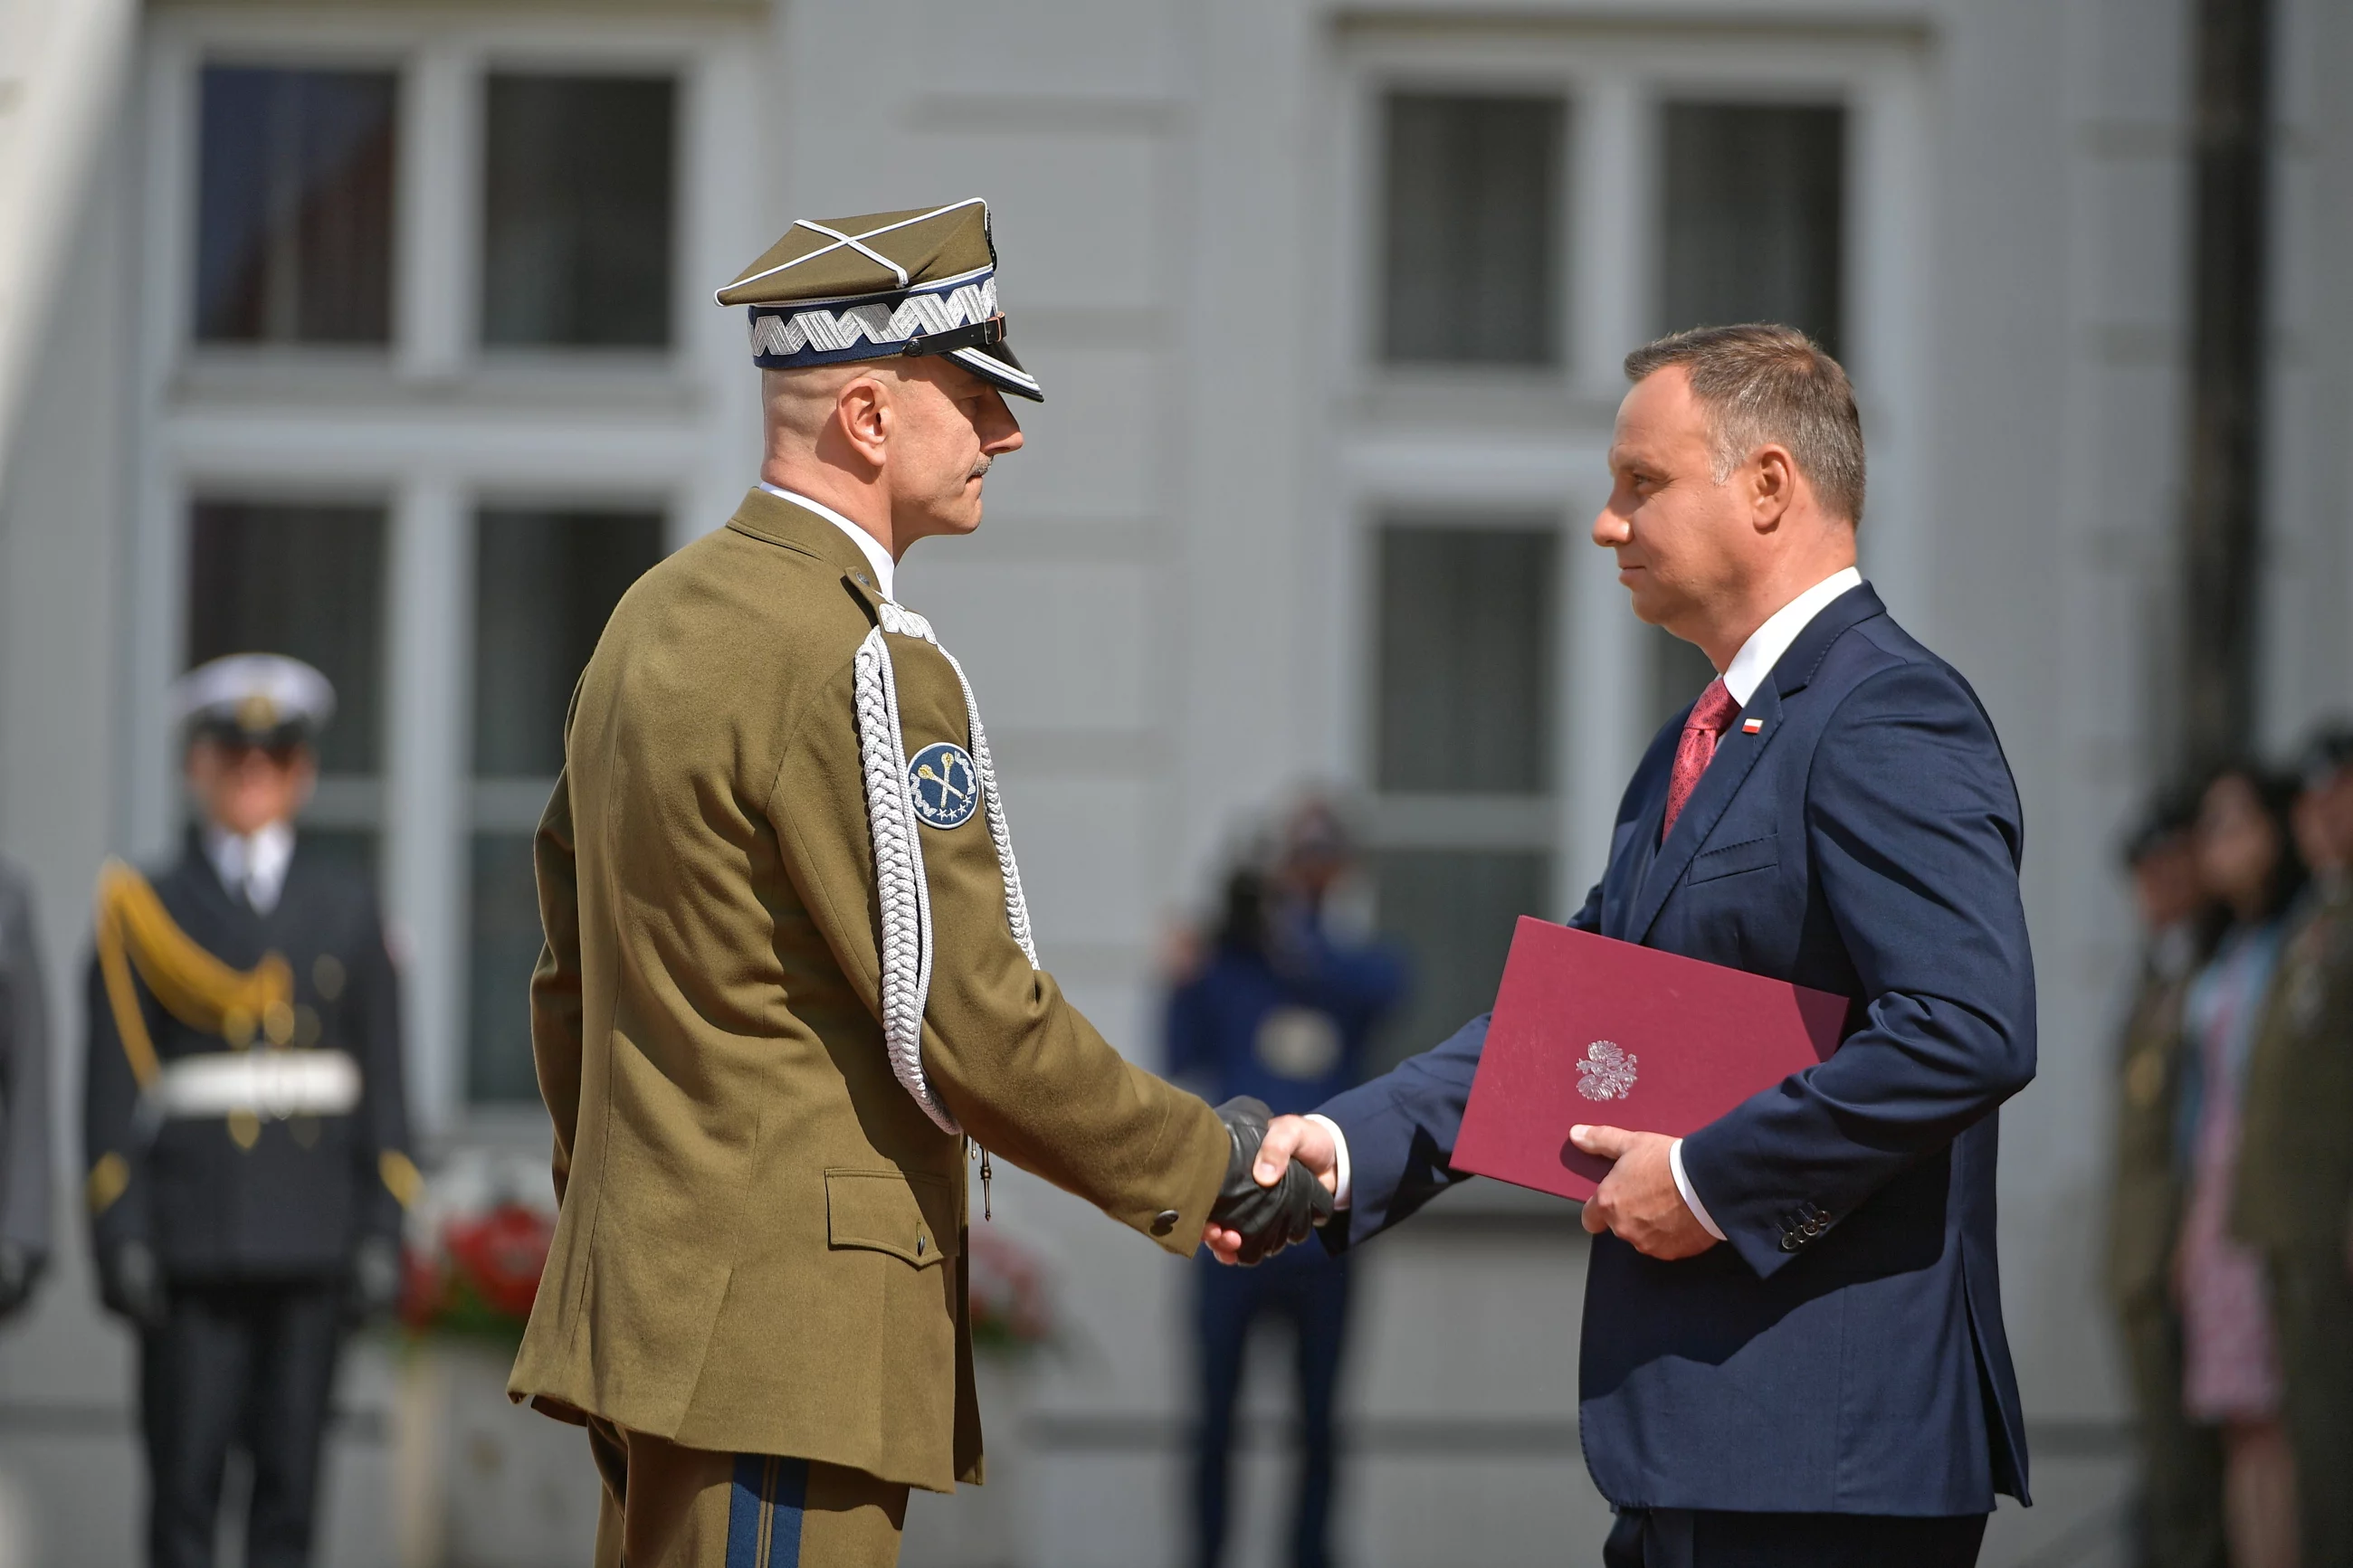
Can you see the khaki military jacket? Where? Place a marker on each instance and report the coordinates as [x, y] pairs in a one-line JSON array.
[[761, 1245], [2145, 1194], [2294, 1186]]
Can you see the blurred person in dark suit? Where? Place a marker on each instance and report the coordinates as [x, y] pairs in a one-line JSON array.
[[2179, 1519], [1283, 1009], [2248, 863], [23, 1096], [244, 1119], [2294, 1197]]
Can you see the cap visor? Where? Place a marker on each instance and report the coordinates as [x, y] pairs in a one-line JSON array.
[[995, 364]]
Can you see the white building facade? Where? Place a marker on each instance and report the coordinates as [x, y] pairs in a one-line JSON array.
[[383, 335]]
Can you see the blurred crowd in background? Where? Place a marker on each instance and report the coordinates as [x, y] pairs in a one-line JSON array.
[[2231, 1246]]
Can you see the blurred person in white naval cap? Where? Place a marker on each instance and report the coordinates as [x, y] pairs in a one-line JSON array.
[[244, 1126]]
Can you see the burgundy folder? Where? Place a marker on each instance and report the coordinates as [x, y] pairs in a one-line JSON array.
[[1591, 1030]]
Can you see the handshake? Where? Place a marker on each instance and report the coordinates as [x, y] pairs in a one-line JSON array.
[[1270, 1199]]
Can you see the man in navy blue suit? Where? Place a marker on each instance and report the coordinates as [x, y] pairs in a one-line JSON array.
[[1793, 1348]]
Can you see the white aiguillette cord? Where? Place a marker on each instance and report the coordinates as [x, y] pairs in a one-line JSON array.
[[904, 892]]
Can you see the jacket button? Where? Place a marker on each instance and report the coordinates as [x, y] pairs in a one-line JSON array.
[[1164, 1222], [919, 1246], [1789, 1241]]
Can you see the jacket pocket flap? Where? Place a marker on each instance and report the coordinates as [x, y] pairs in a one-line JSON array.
[[1748, 855], [910, 1218]]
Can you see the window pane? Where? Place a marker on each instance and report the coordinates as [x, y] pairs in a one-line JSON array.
[[294, 207], [506, 942], [1453, 913], [349, 848], [1678, 673], [1755, 204], [545, 583], [577, 211], [301, 580], [1465, 681], [1472, 237]]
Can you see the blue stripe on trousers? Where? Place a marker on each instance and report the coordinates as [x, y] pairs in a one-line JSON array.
[[763, 1512]]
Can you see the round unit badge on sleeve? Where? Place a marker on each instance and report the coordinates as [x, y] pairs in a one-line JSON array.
[[945, 788]]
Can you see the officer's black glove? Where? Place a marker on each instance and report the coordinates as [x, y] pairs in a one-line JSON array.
[[130, 1284], [375, 1285], [18, 1271], [1268, 1218]]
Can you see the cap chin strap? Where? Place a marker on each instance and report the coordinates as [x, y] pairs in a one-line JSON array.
[[979, 334], [905, 893]]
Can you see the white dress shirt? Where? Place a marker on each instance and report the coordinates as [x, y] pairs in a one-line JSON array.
[[1742, 677], [871, 547], [253, 868]]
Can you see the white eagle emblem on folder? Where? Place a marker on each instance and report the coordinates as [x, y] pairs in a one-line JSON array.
[[1607, 1072]]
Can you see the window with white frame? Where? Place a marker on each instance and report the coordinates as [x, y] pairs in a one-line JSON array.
[[1752, 203], [576, 202], [544, 582], [1543, 198], [1463, 752], [1472, 220], [437, 199], [294, 205]]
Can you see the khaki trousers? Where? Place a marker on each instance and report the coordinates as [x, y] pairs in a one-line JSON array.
[[669, 1506], [2180, 1492], [2312, 1308]]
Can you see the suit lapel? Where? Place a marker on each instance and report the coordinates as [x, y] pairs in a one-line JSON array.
[[1736, 754], [1643, 849]]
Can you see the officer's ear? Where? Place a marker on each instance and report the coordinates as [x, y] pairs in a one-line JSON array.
[[864, 417]]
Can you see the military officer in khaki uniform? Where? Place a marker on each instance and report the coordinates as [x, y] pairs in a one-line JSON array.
[[2179, 1519], [790, 986], [2294, 1197]]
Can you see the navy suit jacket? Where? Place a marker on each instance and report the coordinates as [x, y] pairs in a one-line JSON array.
[[1843, 1352]]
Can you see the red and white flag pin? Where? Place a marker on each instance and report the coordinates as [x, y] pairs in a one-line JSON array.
[[1751, 726]]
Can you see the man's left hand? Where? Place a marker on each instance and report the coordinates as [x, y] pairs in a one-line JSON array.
[[1637, 1202]]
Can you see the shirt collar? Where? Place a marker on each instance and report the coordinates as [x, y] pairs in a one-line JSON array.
[[868, 545], [1769, 642], [253, 868]]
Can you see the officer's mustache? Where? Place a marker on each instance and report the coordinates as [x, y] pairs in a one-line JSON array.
[[980, 469]]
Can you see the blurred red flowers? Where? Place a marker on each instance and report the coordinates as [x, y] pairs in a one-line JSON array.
[[1012, 1311], [480, 1273]]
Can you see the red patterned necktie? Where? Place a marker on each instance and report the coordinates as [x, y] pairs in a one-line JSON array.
[[1710, 717]]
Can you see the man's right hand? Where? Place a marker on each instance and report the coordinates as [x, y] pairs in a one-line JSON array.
[[131, 1282], [1291, 1142]]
